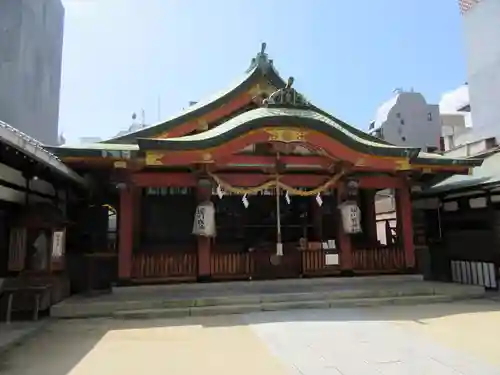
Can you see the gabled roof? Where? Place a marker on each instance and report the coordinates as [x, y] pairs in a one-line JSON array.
[[261, 67], [287, 108]]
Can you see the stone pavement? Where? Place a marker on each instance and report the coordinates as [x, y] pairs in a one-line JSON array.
[[455, 338], [15, 332]]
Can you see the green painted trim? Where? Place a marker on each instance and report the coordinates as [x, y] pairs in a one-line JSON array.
[[193, 112], [96, 152], [257, 118], [439, 160], [307, 119]]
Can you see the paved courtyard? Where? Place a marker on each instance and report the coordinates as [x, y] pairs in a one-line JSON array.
[[456, 338]]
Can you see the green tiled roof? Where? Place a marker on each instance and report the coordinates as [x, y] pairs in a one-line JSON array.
[[486, 174], [303, 118], [257, 118]]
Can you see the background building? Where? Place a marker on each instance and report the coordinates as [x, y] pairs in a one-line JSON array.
[[456, 120], [408, 120], [31, 41], [482, 33]]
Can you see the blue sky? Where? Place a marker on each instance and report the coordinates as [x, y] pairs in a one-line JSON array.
[[347, 56]]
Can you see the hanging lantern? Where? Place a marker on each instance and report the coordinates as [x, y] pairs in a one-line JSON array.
[[204, 220], [351, 217]]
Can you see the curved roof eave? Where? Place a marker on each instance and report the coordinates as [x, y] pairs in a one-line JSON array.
[[257, 118], [201, 108]]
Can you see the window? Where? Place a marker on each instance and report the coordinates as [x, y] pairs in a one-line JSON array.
[[403, 139], [402, 121], [429, 116], [398, 115]]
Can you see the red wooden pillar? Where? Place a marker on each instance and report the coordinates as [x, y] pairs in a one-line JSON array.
[[368, 211], [125, 233], [204, 193], [204, 272], [405, 224], [343, 239]]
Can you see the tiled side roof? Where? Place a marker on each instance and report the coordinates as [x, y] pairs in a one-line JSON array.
[[33, 148], [486, 174]]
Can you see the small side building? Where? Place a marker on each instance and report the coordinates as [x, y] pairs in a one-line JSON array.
[[36, 192], [460, 219]]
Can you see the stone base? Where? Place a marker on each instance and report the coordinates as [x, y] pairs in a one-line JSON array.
[[245, 296]]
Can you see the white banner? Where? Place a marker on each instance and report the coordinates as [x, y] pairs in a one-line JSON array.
[[204, 220], [351, 217]]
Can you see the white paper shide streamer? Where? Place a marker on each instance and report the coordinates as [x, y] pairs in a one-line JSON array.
[[245, 201], [220, 192], [287, 198], [319, 200]]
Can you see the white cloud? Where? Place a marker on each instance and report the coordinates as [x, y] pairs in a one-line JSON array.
[[452, 101]]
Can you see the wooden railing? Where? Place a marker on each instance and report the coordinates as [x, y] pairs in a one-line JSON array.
[[379, 259], [231, 265], [237, 265], [314, 264], [175, 266]]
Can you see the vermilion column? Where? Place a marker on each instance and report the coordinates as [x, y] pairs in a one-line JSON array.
[[125, 232], [343, 239], [204, 272], [404, 212]]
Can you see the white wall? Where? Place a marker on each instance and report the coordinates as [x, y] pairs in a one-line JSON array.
[[482, 36]]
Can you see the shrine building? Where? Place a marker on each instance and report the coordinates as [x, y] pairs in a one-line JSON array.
[[255, 183]]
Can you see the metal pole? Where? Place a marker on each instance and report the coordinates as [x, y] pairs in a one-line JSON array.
[[278, 216], [279, 245]]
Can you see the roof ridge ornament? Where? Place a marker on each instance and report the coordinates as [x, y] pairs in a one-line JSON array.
[[287, 97], [261, 60]]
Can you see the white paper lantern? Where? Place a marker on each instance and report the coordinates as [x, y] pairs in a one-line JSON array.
[[204, 220], [351, 217]]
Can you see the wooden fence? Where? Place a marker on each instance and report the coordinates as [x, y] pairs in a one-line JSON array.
[[165, 266], [231, 265], [314, 264], [386, 259], [236, 265]]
